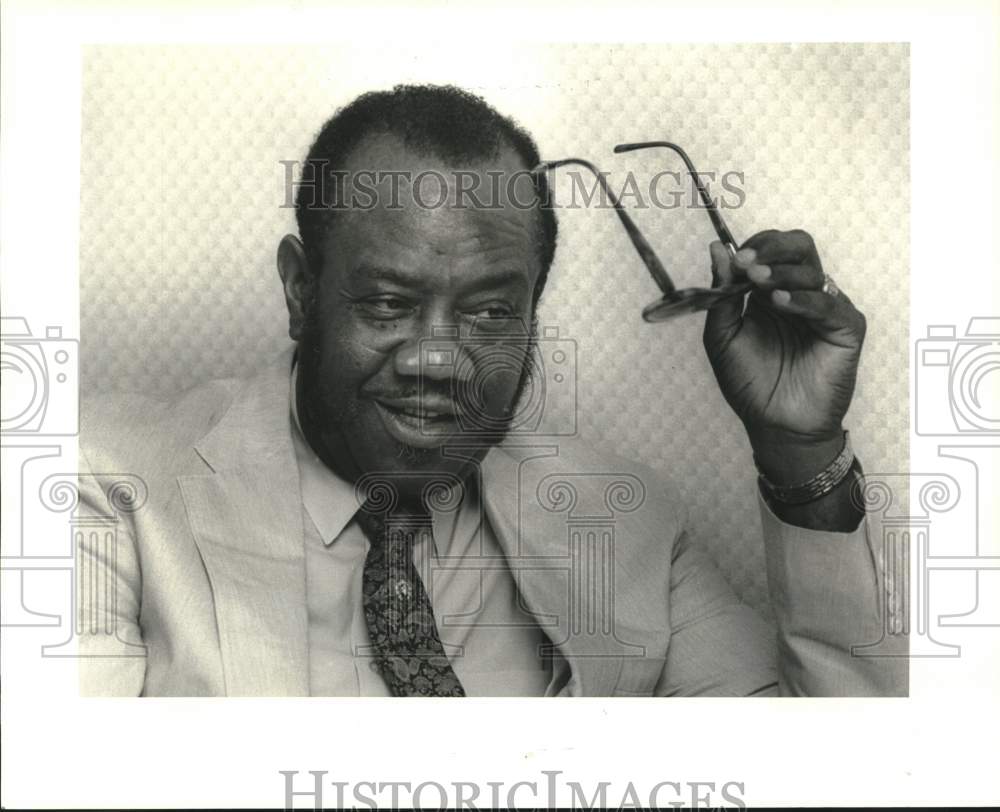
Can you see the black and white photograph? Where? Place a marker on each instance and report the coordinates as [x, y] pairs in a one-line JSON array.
[[397, 497], [484, 361]]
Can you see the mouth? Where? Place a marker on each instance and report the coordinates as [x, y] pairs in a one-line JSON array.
[[418, 425]]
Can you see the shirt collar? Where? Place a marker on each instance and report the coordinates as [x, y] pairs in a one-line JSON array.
[[331, 501]]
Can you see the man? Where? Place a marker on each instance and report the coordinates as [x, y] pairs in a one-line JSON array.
[[362, 517]]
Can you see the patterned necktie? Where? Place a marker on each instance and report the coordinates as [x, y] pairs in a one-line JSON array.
[[401, 626]]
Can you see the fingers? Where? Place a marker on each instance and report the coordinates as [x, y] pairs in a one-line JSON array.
[[785, 277], [786, 271], [722, 267], [834, 317], [723, 321], [785, 260], [783, 247]]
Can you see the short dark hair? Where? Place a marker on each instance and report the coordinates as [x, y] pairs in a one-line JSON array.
[[440, 120]]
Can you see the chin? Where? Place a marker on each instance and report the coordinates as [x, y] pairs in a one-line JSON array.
[[412, 468]]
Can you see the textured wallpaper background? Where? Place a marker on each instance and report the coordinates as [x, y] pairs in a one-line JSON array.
[[182, 209]]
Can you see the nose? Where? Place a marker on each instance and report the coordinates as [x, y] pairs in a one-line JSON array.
[[437, 357]]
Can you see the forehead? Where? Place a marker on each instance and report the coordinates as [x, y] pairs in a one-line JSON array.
[[403, 199]]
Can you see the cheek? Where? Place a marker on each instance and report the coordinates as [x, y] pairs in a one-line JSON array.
[[497, 373], [349, 358], [350, 353]]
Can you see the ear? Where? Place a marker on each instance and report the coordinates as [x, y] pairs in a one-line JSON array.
[[297, 282]]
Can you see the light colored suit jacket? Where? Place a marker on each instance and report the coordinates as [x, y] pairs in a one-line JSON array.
[[200, 588]]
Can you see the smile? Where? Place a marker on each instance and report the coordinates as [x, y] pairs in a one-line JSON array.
[[415, 425], [425, 414]]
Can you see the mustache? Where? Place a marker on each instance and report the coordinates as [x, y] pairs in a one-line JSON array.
[[455, 397], [460, 397]]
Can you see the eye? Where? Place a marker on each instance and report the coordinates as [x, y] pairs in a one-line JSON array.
[[492, 310], [387, 306], [494, 318]]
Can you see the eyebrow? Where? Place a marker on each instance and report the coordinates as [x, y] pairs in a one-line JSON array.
[[493, 279]]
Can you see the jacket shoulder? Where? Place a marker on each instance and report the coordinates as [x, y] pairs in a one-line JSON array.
[[140, 431], [598, 472]]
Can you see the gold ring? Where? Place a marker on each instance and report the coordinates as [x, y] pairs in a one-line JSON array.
[[829, 286]]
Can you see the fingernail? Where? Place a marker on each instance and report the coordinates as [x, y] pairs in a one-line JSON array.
[[759, 273], [782, 296], [746, 256]]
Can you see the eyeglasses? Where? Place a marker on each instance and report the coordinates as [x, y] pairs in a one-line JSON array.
[[673, 302]]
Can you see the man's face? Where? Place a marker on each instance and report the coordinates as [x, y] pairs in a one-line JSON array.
[[415, 339]]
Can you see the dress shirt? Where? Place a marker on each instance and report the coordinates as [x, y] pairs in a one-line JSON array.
[[492, 642], [219, 605]]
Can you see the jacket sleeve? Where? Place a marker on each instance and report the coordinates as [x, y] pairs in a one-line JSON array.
[[718, 645], [825, 590], [840, 625], [111, 653]]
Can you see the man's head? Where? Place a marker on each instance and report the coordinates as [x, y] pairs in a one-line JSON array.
[[413, 290]]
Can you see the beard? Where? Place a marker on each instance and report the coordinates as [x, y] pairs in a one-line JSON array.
[[329, 418]]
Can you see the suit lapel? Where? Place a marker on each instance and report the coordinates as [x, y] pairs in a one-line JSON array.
[[553, 516], [246, 518]]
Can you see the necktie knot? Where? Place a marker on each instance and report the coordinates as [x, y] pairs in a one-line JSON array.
[[398, 528]]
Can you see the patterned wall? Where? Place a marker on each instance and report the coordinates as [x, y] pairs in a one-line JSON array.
[[182, 208]]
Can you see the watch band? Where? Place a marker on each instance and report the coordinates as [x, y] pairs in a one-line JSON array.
[[815, 487]]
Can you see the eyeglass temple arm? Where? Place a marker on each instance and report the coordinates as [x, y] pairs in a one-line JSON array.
[[644, 249], [713, 211]]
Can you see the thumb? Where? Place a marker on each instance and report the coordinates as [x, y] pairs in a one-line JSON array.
[[724, 320]]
